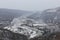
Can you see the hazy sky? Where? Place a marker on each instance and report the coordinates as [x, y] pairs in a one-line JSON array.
[[35, 5]]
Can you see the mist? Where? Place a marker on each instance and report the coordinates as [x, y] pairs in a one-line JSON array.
[[30, 5]]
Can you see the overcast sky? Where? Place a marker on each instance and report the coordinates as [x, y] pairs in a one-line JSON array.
[[31, 5]]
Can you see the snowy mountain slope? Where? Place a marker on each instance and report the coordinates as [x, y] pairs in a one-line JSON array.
[[25, 30], [22, 26]]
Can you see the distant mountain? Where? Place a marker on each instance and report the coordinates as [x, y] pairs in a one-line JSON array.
[[47, 16], [7, 15], [51, 15], [12, 12]]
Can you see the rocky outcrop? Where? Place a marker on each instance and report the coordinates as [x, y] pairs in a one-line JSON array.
[[8, 35]]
